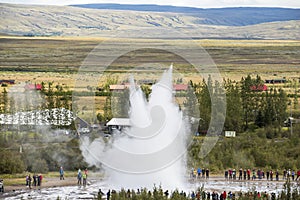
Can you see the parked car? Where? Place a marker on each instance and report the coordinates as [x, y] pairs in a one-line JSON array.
[[84, 130]]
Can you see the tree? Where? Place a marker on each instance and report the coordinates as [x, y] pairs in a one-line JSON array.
[[234, 113], [10, 162], [107, 108], [191, 108], [120, 103], [269, 112], [247, 100], [259, 121], [203, 95], [281, 106], [40, 166]]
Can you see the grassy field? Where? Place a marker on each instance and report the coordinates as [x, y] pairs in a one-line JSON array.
[[57, 60]]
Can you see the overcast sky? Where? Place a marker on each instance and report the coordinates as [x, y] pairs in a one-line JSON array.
[[190, 3]]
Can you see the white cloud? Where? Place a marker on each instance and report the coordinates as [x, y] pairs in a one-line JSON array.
[[192, 3]]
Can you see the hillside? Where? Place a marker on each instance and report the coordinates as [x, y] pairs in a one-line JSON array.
[[35, 20], [239, 16]]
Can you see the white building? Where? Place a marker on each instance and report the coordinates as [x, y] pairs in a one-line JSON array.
[[117, 124], [55, 116]]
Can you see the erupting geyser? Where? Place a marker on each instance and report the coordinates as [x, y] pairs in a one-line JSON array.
[[150, 152]]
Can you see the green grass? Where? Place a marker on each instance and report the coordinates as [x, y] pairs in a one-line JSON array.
[[49, 175], [19, 179]]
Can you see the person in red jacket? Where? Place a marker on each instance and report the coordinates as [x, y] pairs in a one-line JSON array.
[[224, 195], [258, 195], [248, 174], [298, 174]]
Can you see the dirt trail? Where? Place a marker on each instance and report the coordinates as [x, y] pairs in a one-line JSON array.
[[46, 183]]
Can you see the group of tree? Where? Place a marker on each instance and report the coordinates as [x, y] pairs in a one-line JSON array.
[[38, 153], [246, 106]]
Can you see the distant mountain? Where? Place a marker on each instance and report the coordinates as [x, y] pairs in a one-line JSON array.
[[37, 20], [239, 16]]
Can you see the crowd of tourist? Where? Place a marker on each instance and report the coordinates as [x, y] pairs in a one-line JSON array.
[[199, 173], [82, 177], [230, 174], [200, 194], [247, 174], [35, 180]]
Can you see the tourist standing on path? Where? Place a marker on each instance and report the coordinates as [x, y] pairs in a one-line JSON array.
[[192, 173], [199, 172], [298, 174], [86, 172], [61, 173], [108, 195], [193, 195], [34, 180], [79, 177], [253, 174], [293, 175], [207, 173], [245, 174], [28, 181], [39, 180], [230, 174], [224, 195], [234, 174], [84, 179], [271, 175], [226, 175], [248, 174], [268, 175], [241, 174], [100, 194]]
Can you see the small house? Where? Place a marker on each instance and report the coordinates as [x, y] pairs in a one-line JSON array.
[[180, 87], [117, 124], [33, 87], [5, 81], [118, 88], [275, 81]]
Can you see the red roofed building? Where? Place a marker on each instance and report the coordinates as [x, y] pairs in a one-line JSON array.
[[259, 88], [33, 87], [180, 87]]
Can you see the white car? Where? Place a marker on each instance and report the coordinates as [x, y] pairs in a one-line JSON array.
[[84, 130]]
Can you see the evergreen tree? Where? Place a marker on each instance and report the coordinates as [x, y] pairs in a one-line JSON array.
[[234, 112], [259, 121], [107, 109], [247, 100], [281, 107], [218, 112], [204, 99], [120, 104], [191, 108]]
